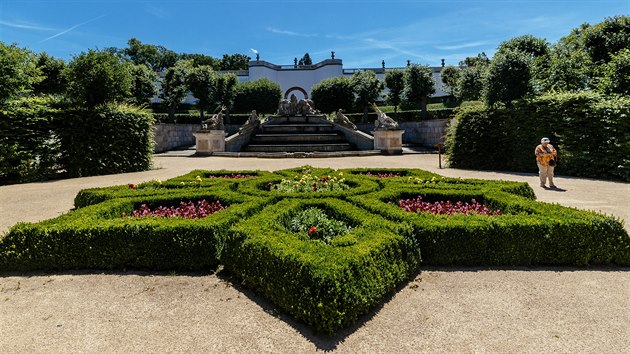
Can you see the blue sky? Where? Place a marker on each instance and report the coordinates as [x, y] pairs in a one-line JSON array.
[[362, 33]]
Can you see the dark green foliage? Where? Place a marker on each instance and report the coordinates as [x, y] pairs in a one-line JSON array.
[[419, 84], [234, 62], [18, 72], [333, 94], [52, 69], [480, 60], [98, 77], [450, 77], [29, 150], [107, 139], [261, 95], [589, 131], [470, 83], [328, 285], [607, 38], [201, 80], [395, 82], [526, 44], [305, 60], [143, 88], [367, 88], [508, 77], [175, 86], [616, 77]]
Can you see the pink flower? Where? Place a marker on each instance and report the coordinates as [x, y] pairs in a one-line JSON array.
[[312, 230]]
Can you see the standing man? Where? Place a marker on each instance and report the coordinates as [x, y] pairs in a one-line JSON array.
[[546, 157]]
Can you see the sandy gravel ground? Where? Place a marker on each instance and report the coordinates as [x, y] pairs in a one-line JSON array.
[[442, 310]]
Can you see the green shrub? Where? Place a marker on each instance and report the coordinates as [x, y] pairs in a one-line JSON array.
[[29, 149], [261, 95], [589, 131], [109, 139]]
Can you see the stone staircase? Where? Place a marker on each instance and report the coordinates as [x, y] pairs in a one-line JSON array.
[[298, 134]]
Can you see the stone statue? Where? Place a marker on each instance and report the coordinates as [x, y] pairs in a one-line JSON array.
[[383, 122], [284, 107], [341, 119], [252, 123], [305, 107], [293, 105], [215, 122]]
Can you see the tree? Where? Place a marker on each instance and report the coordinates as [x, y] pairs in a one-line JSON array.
[[367, 88], [470, 83], [18, 71], [143, 88], [305, 60], [145, 54], [450, 76], [480, 60], [261, 95], [332, 94], [616, 78], [201, 59], [604, 40], [527, 44], [235, 62], [569, 70], [419, 84], [52, 71], [508, 77], [395, 82], [200, 82], [174, 86], [223, 90], [98, 77]]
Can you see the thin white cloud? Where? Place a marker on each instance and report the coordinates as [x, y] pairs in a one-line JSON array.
[[26, 26], [158, 12], [462, 46], [290, 33], [72, 28]]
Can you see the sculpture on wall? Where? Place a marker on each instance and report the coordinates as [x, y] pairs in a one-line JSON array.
[[215, 122], [383, 122], [341, 119], [293, 107]]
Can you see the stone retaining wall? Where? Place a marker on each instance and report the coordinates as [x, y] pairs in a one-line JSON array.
[[173, 136], [425, 133]]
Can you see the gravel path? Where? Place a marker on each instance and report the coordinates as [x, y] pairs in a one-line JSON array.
[[515, 310]]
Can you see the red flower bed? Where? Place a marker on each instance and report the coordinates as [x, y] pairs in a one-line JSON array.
[[447, 207], [189, 210], [382, 175], [234, 175]]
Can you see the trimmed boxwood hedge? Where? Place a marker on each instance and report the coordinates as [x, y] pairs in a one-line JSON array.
[[325, 285]]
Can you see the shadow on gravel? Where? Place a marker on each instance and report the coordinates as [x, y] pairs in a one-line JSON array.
[[323, 342]]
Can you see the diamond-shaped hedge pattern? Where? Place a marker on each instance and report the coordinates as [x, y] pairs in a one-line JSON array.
[[325, 285]]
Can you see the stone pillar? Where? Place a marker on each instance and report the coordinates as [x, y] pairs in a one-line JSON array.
[[388, 141], [209, 141]]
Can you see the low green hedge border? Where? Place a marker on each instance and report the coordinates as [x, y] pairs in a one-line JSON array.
[[325, 285], [98, 237], [529, 232]]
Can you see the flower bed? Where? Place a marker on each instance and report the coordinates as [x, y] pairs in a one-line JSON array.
[[382, 174], [308, 182], [446, 207], [317, 225], [186, 210]]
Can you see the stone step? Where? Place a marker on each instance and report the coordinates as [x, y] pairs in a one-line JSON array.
[[296, 128], [298, 147], [298, 138]]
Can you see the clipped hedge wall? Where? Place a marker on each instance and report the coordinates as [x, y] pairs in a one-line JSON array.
[[108, 139], [407, 116], [591, 133], [29, 150], [327, 285]]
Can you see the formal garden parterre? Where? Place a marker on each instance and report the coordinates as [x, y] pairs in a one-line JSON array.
[[325, 254]]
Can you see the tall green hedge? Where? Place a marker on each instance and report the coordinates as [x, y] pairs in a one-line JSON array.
[[28, 147], [590, 131], [108, 139]]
